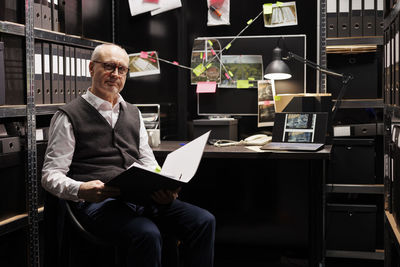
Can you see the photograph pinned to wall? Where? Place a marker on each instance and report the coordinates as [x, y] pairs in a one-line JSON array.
[[140, 6], [280, 14], [266, 104], [243, 70], [218, 12], [205, 69], [166, 5], [143, 64]]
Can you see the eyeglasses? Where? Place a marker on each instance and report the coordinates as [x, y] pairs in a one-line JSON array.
[[110, 67]]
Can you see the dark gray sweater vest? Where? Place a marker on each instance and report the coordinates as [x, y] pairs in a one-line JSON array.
[[102, 152]]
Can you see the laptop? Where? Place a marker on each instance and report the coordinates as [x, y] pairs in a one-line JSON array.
[[302, 131]]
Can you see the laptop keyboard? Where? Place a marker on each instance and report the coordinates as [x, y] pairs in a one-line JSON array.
[[292, 146]]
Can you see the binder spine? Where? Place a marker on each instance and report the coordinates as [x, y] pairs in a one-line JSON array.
[[344, 18], [38, 73], [332, 18]]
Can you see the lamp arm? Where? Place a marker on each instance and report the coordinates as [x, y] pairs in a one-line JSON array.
[[345, 77]]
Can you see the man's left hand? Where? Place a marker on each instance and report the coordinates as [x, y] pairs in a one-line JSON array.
[[164, 197]]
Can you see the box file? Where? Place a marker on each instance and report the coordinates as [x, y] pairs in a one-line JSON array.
[[38, 73], [61, 91], [356, 18], [344, 18], [54, 14], [73, 72], [67, 75], [392, 64], [9, 144], [2, 75], [70, 16], [387, 68], [54, 73], [379, 23], [396, 62], [332, 18], [46, 72], [369, 14], [12, 10], [37, 13], [46, 14]]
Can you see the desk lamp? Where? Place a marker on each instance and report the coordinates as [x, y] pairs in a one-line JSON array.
[[279, 70]]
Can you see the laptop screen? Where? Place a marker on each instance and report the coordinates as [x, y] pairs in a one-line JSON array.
[[300, 127]]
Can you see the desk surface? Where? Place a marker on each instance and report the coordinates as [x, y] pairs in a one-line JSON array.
[[243, 152]]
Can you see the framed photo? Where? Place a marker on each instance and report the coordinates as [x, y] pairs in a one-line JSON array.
[[266, 104], [140, 65]]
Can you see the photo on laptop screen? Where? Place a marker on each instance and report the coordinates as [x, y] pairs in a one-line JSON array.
[[299, 128]]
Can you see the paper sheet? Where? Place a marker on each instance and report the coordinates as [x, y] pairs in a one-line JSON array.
[[183, 162], [139, 6]]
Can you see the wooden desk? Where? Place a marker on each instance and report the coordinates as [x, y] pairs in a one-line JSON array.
[[227, 170]]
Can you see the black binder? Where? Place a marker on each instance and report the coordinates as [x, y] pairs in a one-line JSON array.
[[12, 10], [70, 16], [46, 14], [78, 72], [369, 14], [38, 73], [332, 18], [46, 72], [37, 13], [54, 73], [356, 18], [344, 18], [54, 14], [73, 72], [67, 74], [387, 67], [396, 62], [379, 23], [61, 91], [392, 63]]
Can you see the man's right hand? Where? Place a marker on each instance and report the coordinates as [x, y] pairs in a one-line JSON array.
[[96, 191]]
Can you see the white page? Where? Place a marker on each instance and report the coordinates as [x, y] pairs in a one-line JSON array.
[[138, 7], [183, 162], [166, 5]]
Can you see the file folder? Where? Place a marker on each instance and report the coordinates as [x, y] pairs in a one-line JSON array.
[[14, 70], [47, 80], [356, 18], [396, 62], [379, 23], [54, 13], [392, 62], [73, 72], [46, 14], [70, 16], [54, 73], [78, 72], [12, 10], [344, 18], [331, 8], [37, 13], [369, 18], [61, 91], [83, 71], [38, 73], [67, 75], [387, 66]]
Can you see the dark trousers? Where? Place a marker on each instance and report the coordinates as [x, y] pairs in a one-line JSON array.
[[138, 229]]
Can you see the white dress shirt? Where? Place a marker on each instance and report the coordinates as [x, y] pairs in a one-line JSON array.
[[61, 146]]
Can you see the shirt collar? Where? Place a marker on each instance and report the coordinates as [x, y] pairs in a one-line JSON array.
[[99, 103]]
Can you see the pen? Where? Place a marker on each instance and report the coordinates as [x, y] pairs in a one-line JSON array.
[[216, 11]]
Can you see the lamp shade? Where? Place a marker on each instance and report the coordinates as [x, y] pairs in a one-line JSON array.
[[277, 69]]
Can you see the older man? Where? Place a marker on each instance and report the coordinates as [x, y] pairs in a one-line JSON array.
[[96, 137]]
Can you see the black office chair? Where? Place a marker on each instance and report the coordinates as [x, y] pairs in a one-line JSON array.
[[94, 241]]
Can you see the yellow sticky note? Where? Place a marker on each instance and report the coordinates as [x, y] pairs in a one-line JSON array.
[[201, 55], [251, 79], [230, 73], [249, 22], [199, 69], [158, 169], [227, 47], [278, 4], [277, 98], [267, 9], [210, 42], [208, 65], [243, 84]]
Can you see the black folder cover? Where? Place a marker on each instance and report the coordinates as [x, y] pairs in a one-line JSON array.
[[396, 62], [54, 73], [67, 75], [2, 75], [332, 18], [54, 13], [369, 14], [38, 73], [379, 23], [344, 18], [61, 91], [46, 72], [46, 14], [37, 13], [356, 18], [137, 184]]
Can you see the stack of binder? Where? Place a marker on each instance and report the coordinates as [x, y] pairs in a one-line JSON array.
[[354, 18]]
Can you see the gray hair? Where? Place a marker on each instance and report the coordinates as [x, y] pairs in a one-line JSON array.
[[97, 50]]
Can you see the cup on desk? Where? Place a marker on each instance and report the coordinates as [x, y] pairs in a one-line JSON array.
[[154, 137]]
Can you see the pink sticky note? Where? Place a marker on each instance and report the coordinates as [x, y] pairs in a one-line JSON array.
[[204, 55], [143, 54], [268, 102], [152, 60], [152, 53], [176, 63], [206, 87], [227, 76], [213, 52]]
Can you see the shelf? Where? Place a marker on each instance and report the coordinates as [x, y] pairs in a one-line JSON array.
[[20, 110], [366, 255], [17, 222], [361, 103], [353, 45], [392, 15], [355, 188], [46, 35]]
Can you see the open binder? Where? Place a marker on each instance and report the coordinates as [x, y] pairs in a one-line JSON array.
[[138, 182]]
